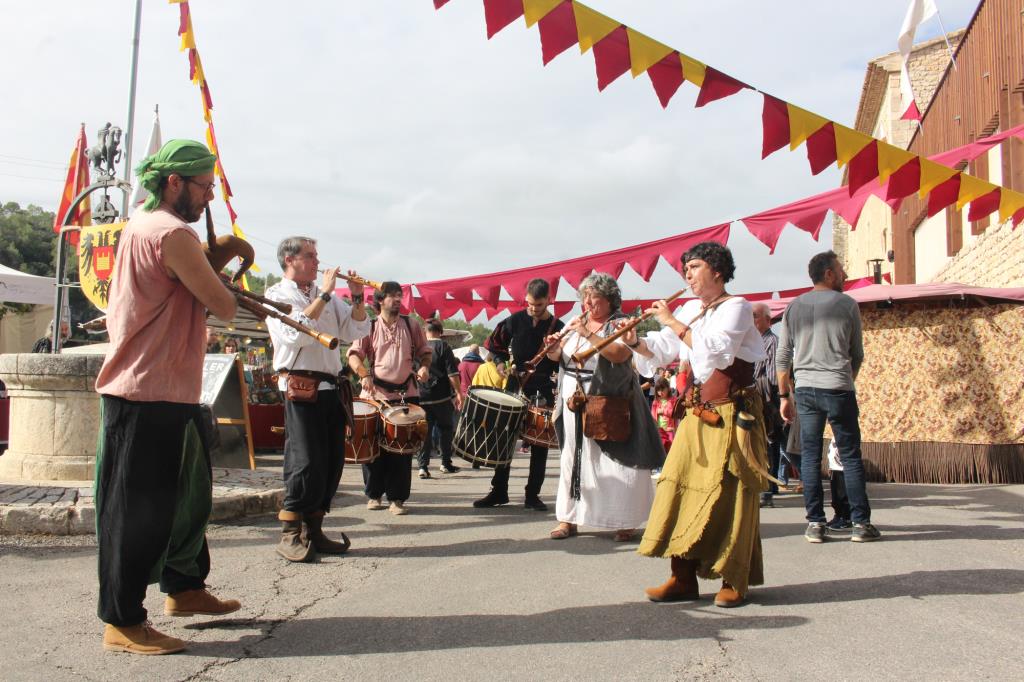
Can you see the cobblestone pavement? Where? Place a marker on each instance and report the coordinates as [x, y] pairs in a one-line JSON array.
[[68, 509]]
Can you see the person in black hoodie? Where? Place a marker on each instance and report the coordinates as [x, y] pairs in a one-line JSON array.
[[521, 335]]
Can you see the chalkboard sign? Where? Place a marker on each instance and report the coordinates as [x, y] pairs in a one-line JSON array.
[[216, 369], [224, 390]]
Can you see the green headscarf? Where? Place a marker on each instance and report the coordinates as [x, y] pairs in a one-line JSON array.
[[184, 157]]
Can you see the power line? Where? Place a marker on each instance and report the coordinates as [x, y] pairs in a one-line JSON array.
[[32, 177], [25, 158]]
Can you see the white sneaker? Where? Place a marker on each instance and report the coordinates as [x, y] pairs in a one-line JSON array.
[[424, 473], [398, 508], [374, 504]]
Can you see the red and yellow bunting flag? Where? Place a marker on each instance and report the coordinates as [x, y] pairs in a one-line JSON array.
[[618, 48], [198, 76]]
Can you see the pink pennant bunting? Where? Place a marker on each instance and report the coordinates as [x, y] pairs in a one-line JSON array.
[[471, 310], [863, 167], [775, 126], [553, 283], [574, 277], [462, 294], [231, 212], [984, 205], [821, 148], [500, 13], [850, 208], [905, 181], [811, 222], [422, 308], [644, 264], [613, 268], [490, 294], [1017, 218], [717, 85], [438, 4], [516, 288], [407, 299], [666, 77], [943, 195], [767, 229], [611, 57], [557, 31], [224, 181], [562, 308], [192, 64], [449, 309]]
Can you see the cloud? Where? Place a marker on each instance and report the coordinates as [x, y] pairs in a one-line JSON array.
[[414, 148]]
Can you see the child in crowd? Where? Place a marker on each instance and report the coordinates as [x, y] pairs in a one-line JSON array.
[[661, 409]]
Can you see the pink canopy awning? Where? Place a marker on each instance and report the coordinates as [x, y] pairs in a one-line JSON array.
[[875, 293]]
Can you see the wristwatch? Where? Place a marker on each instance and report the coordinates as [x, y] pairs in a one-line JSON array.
[[325, 296], [783, 395], [634, 345]]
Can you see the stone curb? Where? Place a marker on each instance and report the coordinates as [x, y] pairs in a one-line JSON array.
[[61, 510]]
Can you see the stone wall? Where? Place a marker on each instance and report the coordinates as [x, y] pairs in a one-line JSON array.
[[873, 236], [994, 259]]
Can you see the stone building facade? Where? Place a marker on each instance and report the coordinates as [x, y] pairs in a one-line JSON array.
[[878, 115], [982, 96]]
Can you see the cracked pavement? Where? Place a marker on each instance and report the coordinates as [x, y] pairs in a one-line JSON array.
[[449, 592]]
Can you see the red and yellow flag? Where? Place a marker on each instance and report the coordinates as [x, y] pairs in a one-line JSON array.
[[77, 180]]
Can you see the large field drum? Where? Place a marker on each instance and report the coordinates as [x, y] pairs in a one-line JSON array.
[[489, 426]]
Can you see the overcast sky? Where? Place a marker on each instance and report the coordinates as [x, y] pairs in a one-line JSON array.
[[415, 149]]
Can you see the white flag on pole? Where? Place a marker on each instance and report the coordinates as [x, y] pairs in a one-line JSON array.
[[919, 12], [140, 194]]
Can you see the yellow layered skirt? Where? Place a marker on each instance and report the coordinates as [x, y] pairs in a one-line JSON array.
[[706, 503]]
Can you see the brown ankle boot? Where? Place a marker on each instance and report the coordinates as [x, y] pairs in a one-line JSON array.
[[294, 545], [140, 639], [728, 597], [198, 603], [322, 543], [681, 585]]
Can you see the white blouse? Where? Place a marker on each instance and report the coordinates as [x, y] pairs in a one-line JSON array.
[[719, 337]]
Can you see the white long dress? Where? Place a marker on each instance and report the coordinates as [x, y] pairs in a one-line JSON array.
[[612, 496]]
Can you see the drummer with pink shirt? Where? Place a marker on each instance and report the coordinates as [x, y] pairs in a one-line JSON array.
[[398, 356]]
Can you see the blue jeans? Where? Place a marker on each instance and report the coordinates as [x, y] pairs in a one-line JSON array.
[[814, 406]]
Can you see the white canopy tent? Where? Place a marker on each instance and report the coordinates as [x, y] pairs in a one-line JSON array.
[[18, 331], [20, 287]]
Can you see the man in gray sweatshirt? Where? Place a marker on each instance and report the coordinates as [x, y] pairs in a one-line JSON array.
[[820, 348]]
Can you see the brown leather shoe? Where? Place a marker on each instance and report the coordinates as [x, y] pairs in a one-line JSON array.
[[140, 639], [681, 585], [322, 543], [198, 603], [728, 597], [294, 545]]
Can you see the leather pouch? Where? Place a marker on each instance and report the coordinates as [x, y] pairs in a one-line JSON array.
[[607, 418], [301, 389]]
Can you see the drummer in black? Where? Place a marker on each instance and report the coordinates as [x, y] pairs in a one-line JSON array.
[[522, 335]]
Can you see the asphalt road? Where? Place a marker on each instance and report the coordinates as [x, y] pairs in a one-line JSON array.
[[451, 593]]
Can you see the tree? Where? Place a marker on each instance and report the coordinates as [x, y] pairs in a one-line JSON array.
[[27, 240]]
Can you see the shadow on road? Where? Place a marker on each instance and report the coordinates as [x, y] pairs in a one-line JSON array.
[[916, 584], [387, 634]]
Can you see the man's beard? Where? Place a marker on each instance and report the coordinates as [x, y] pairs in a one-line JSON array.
[[186, 210]]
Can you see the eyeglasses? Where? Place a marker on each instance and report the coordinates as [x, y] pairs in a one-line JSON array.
[[207, 186]]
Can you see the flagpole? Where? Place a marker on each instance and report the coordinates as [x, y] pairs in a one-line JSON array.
[[945, 37], [130, 128]]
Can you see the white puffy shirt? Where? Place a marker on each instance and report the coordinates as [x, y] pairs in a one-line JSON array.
[[719, 337], [295, 350]]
